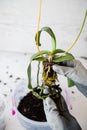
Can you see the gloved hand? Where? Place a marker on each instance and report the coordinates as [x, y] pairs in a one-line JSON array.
[[58, 116], [75, 71]]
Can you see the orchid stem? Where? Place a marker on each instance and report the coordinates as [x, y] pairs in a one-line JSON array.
[[39, 18], [83, 23]]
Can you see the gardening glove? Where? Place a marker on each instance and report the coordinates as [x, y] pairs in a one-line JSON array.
[[58, 116], [75, 71]]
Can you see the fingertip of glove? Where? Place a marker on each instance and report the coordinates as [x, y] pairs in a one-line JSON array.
[[46, 103], [47, 100], [55, 67]]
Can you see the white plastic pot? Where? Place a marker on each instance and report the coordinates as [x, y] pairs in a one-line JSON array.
[[27, 123], [2, 112]]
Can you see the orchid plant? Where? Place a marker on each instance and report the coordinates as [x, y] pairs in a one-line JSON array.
[[48, 58]]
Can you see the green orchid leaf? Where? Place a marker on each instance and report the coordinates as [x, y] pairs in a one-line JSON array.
[[50, 32], [38, 54], [57, 51], [70, 82], [39, 59], [37, 38], [29, 76], [68, 56]]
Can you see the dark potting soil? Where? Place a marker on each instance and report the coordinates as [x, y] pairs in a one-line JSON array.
[[32, 108]]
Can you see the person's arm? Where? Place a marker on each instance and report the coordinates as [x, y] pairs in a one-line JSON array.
[[75, 71], [58, 116]]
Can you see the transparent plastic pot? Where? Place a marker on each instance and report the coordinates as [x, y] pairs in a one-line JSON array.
[[29, 124], [2, 112]]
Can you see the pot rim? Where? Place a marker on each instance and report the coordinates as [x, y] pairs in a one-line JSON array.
[[31, 121]]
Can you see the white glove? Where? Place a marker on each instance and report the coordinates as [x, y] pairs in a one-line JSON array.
[[75, 71], [58, 116]]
